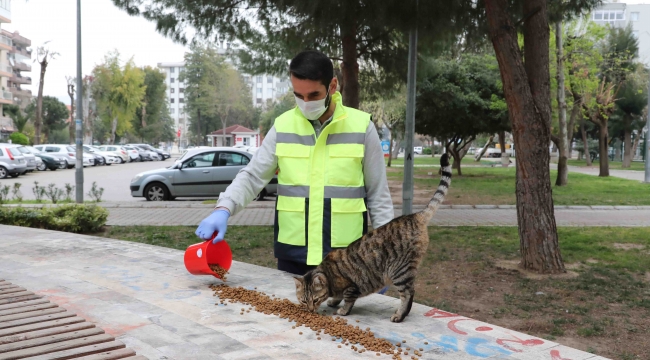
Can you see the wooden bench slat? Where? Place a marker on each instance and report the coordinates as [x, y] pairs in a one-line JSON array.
[[75, 352], [60, 329], [19, 298], [139, 357], [21, 293], [111, 355], [36, 319], [50, 339], [40, 326], [29, 314], [24, 304], [7, 286], [29, 308], [11, 290]]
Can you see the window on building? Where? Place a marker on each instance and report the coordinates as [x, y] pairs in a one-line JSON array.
[[269, 79], [634, 16], [181, 100], [172, 100], [172, 90], [259, 101], [172, 80], [181, 90], [172, 69], [609, 15], [259, 90], [259, 79], [172, 110], [635, 33]]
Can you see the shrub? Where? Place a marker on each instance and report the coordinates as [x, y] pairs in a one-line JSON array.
[[95, 192], [426, 151], [70, 218], [68, 191], [4, 194], [54, 193], [18, 195], [19, 138], [39, 192]]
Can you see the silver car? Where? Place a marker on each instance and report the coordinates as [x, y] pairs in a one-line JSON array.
[[30, 159], [204, 172], [12, 161]]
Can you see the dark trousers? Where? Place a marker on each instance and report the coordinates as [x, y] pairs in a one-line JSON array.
[[294, 267]]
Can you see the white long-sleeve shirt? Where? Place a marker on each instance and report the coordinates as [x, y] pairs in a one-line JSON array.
[[253, 178]]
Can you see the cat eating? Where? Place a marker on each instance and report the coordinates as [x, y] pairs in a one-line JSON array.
[[387, 255]]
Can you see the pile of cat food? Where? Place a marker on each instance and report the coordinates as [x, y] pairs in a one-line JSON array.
[[358, 339], [219, 271]]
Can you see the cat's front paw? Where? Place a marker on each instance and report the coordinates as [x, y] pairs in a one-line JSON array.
[[342, 312], [396, 318], [333, 302]]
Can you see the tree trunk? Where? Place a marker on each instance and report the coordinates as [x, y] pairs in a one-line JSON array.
[[396, 143], [627, 143], [456, 165], [636, 144], [575, 112], [71, 127], [487, 144], [527, 91], [505, 161], [585, 143], [602, 149], [390, 146], [38, 121], [113, 130], [350, 66], [562, 170]]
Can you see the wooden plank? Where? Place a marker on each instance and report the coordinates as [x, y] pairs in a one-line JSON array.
[[25, 315], [8, 286], [111, 355], [19, 298], [21, 293], [23, 304], [60, 347], [72, 353], [11, 290], [50, 339], [139, 357], [45, 332], [28, 308], [36, 319], [40, 326]]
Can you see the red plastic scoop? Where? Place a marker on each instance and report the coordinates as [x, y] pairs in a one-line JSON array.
[[199, 256]]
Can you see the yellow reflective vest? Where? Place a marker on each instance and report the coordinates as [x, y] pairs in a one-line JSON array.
[[321, 201]]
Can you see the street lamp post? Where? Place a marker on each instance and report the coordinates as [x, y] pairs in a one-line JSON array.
[[79, 169]]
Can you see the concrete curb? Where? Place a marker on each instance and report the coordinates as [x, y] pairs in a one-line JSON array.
[[175, 205]]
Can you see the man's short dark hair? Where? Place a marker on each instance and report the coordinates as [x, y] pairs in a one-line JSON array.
[[312, 65]]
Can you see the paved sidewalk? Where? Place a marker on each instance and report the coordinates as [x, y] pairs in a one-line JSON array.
[[484, 215], [143, 296], [594, 170]]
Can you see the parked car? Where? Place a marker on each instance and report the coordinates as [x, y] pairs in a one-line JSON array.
[[134, 154], [144, 154], [104, 157], [116, 150], [47, 160], [199, 172], [165, 154], [158, 153], [65, 151], [12, 161], [417, 150], [30, 159]]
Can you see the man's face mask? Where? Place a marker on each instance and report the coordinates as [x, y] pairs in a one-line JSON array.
[[313, 110]]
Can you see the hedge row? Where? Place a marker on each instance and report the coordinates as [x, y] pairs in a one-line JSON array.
[[70, 218]]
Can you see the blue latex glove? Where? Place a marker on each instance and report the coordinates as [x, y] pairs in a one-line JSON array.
[[216, 222]]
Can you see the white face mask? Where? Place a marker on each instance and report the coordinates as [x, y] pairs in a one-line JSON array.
[[314, 109]]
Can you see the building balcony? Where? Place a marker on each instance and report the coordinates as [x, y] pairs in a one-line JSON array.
[[6, 98], [17, 79], [6, 70], [20, 92], [19, 65], [19, 49], [6, 43], [19, 39]]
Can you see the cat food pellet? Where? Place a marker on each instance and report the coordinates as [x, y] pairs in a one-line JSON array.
[[426, 343], [421, 349], [357, 320], [406, 353], [318, 338], [221, 272], [404, 341], [408, 348], [300, 333]]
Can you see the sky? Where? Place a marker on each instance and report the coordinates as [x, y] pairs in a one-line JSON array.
[[104, 28]]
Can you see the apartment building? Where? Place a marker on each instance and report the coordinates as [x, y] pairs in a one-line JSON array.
[[20, 60], [620, 14], [6, 71]]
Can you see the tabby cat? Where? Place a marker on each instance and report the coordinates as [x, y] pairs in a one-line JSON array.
[[390, 254]]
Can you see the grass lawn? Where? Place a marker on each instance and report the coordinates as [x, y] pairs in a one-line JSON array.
[[497, 186], [603, 302], [613, 165], [435, 161], [45, 201]]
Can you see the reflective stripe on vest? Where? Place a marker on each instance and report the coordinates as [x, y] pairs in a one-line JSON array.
[[321, 191]]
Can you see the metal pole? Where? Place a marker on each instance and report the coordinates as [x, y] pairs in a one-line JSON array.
[[79, 168], [407, 187], [647, 142]]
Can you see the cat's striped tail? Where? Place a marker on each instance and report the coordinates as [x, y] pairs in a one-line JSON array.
[[445, 181]]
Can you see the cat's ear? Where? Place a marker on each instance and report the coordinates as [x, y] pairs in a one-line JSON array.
[[298, 282], [319, 281]]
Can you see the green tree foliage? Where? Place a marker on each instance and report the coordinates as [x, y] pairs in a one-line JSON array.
[[55, 114], [460, 99], [119, 92], [19, 138], [152, 122], [215, 93], [389, 112], [19, 117], [632, 100], [267, 119]]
